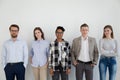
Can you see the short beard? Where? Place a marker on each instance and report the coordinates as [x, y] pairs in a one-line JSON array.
[[14, 36]]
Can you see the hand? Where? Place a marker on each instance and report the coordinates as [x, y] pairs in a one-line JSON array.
[[92, 64], [51, 72], [68, 71], [30, 60], [75, 63]]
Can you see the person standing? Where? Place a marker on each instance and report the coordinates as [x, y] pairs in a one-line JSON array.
[[84, 54], [109, 49], [60, 57], [39, 55], [14, 55]]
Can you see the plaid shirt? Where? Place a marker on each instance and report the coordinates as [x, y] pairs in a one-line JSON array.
[[55, 53]]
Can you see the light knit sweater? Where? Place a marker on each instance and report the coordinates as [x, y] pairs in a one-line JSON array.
[[109, 47]]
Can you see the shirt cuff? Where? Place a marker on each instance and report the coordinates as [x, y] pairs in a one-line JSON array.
[[4, 66], [25, 65], [95, 63]]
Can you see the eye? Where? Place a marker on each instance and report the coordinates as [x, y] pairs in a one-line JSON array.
[[36, 33]]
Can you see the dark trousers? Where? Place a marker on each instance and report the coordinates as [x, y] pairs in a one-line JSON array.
[[15, 69], [63, 74], [82, 68]]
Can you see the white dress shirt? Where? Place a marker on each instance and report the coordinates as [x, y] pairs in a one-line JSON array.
[[14, 51], [84, 52], [60, 50]]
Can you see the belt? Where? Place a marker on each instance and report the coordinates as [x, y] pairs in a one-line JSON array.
[[15, 63], [107, 56], [89, 62]]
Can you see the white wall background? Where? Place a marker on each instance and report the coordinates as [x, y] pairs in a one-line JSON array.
[[48, 14]]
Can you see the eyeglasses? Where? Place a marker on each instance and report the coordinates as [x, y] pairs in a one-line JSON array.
[[14, 30], [59, 32]]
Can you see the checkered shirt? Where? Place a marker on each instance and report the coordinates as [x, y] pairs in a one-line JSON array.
[[54, 56]]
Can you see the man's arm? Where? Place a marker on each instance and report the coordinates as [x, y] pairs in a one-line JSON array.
[[4, 56], [73, 51], [96, 53], [50, 60], [25, 54]]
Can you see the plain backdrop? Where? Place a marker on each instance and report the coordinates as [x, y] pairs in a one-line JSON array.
[[48, 14]]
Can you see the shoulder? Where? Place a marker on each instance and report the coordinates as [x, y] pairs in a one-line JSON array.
[[33, 42], [91, 38], [46, 42], [52, 43], [66, 41], [22, 41], [77, 39], [101, 40], [116, 41], [6, 42]]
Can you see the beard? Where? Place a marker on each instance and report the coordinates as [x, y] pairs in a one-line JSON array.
[[13, 36]]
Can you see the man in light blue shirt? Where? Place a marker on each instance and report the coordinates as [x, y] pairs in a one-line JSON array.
[[14, 55]]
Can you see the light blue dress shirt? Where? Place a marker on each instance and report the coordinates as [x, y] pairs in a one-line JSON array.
[[39, 53], [14, 51]]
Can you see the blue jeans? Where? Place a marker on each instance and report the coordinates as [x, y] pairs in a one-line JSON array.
[[111, 64]]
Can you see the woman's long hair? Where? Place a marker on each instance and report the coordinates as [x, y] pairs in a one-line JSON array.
[[110, 27], [38, 28]]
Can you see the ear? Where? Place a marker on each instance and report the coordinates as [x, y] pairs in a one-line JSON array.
[[80, 30]]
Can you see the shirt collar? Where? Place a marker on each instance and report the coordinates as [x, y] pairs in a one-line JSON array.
[[62, 40], [39, 40], [84, 38], [16, 39]]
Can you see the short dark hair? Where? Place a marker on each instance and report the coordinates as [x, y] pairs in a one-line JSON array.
[[110, 27], [14, 25], [38, 28], [60, 27], [84, 25]]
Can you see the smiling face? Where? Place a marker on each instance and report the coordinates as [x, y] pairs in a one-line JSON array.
[[107, 32], [38, 34], [59, 34], [84, 31]]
